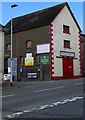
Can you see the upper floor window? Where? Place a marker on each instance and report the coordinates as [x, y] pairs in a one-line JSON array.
[[8, 47], [28, 44], [66, 29], [66, 44]]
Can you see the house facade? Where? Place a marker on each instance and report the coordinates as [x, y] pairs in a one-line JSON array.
[[66, 49], [48, 44]]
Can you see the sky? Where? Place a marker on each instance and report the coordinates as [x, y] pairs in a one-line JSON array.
[[24, 8]]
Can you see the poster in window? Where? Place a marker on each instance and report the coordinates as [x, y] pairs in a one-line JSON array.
[[29, 61]]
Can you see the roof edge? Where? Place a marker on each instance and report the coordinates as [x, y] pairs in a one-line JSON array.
[[66, 4], [59, 11], [39, 10], [73, 16]]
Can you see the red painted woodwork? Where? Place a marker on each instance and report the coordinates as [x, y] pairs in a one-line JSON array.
[[67, 67]]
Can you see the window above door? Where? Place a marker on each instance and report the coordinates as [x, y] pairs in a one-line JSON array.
[[67, 44]]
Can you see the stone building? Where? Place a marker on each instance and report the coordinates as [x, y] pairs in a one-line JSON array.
[[46, 44]]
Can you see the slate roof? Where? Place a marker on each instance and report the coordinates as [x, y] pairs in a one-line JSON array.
[[36, 19]]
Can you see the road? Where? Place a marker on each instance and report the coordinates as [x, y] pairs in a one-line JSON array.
[[49, 99]]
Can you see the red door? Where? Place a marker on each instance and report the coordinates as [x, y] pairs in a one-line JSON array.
[[67, 67]]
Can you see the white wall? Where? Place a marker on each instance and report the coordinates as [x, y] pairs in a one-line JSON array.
[[1, 54], [65, 18]]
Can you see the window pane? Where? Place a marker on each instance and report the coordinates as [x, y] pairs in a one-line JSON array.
[[66, 44], [65, 29], [29, 44]]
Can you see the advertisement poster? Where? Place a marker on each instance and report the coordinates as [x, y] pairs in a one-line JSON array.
[[29, 61], [44, 60], [31, 75]]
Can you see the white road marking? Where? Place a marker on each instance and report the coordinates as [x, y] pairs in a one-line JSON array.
[[78, 83], [44, 107], [49, 89], [7, 96]]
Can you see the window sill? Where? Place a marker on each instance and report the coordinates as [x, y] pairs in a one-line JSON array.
[[68, 47], [67, 33]]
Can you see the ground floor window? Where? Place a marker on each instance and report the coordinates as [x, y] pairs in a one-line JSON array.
[[37, 59], [21, 60]]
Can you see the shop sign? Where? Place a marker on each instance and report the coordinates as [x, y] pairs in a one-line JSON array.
[[44, 60], [67, 54], [43, 48], [29, 61], [31, 75]]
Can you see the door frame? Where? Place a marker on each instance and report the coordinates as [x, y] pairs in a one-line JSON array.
[[72, 71]]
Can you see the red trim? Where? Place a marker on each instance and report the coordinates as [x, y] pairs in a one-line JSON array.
[[55, 78], [51, 51], [66, 32], [78, 76], [80, 52], [61, 77], [67, 47], [66, 29], [52, 73]]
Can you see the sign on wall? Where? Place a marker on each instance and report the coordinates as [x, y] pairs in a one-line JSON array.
[[68, 54], [44, 48], [28, 55], [31, 75], [14, 67], [44, 60], [29, 61]]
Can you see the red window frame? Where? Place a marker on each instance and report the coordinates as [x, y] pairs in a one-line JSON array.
[[67, 44], [66, 29]]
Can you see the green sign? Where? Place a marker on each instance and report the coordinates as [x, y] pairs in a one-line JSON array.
[[44, 60]]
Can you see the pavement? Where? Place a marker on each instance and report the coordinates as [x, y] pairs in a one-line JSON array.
[[19, 84]]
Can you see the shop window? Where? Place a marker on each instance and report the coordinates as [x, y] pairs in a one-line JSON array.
[[21, 60], [66, 44], [66, 29], [28, 44], [8, 47]]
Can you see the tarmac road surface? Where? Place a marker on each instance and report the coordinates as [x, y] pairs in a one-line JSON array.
[[49, 99]]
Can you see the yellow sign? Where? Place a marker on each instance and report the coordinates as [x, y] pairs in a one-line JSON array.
[[29, 61]]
